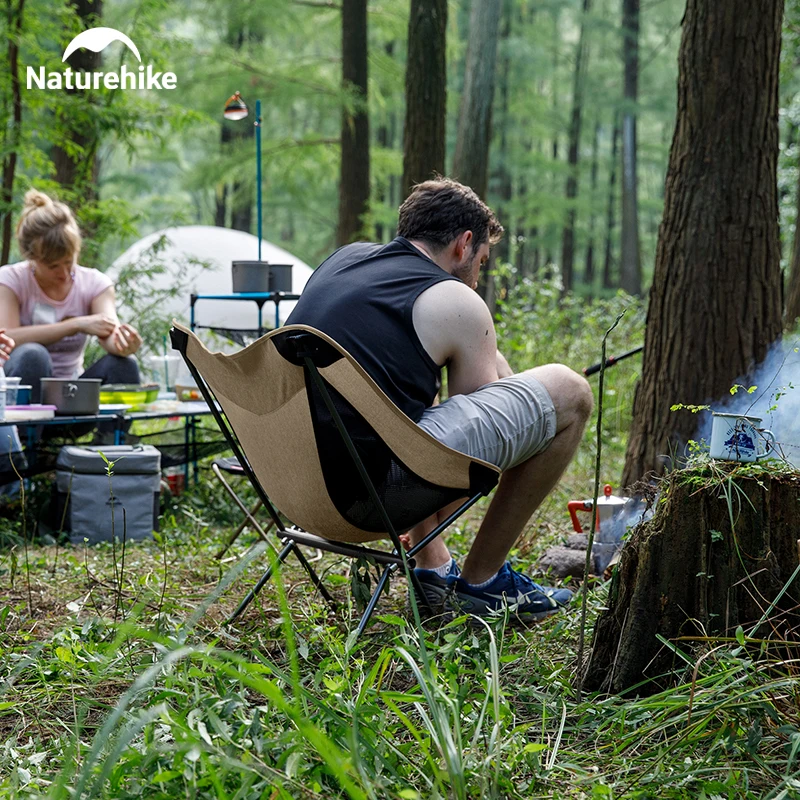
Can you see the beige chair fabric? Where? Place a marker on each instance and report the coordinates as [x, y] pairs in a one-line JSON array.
[[264, 399]]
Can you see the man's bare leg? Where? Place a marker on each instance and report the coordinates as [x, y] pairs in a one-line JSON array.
[[436, 553], [523, 488]]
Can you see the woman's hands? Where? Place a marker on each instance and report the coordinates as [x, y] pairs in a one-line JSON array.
[[127, 340], [124, 339], [6, 346], [99, 325]]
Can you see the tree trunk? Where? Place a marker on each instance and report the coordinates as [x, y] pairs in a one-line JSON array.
[[384, 137], [80, 171], [716, 291], [502, 251], [611, 219], [568, 235], [793, 290], [548, 253], [471, 159], [631, 265], [687, 574], [588, 272], [14, 129], [354, 172], [426, 93]]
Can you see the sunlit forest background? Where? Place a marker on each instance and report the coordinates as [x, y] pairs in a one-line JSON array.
[[149, 160]]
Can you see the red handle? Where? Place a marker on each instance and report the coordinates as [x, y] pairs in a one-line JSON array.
[[573, 507]]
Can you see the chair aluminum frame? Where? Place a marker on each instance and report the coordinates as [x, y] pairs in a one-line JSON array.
[[291, 537]]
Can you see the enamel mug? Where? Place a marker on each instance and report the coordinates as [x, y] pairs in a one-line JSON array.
[[737, 437]]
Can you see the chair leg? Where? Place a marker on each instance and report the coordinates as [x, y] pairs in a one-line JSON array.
[[315, 579], [373, 601], [281, 557], [248, 520]]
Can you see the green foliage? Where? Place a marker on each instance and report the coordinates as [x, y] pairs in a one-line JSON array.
[[140, 301]]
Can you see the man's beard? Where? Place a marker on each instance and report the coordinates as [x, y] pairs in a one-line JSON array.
[[465, 271]]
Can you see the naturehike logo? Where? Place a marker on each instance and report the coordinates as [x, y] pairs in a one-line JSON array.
[[96, 40]]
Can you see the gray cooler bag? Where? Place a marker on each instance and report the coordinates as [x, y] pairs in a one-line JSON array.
[[84, 486]]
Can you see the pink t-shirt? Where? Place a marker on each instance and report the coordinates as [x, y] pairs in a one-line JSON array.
[[36, 308]]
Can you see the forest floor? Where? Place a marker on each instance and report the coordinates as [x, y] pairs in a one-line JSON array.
[[118, 678]]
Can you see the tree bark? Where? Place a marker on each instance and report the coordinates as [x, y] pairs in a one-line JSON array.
[[471, 159], [688, 573], [426, 93], [81, 171], [588, 272], [611, 219], [715, 305], [354, 172], [240, 194], [631, 264], [14, 130], [793, 290], [568, 234]]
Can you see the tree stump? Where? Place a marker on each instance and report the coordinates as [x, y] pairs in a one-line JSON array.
[[719, 550]]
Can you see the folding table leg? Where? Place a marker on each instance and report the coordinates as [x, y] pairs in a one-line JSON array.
[[281, 557], [373, 601]]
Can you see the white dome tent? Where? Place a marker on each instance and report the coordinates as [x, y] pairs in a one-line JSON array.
[[217, 247]]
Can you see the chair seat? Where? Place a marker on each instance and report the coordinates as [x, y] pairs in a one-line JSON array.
[[229, 464]]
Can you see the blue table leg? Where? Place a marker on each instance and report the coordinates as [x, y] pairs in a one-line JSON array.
[[186, 452]]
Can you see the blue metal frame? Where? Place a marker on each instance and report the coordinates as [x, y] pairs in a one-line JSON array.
[[259, 298]]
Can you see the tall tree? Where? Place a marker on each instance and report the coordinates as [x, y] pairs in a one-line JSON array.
[[503, 174], [14, 15], [568, 234], [471, 159], [426, 92], [716, 290], [631, 265], [237, 194], [792, 311], [611, 219], [76, 160], [354, 169], [588, 272]]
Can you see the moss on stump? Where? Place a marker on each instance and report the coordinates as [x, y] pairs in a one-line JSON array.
[[719, 549]]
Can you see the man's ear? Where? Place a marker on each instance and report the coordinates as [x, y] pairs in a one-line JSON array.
[[462, 245]]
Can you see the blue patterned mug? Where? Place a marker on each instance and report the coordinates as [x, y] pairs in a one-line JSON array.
[[737, 437]]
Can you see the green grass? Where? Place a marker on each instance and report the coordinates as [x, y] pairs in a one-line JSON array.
[[125, 684]]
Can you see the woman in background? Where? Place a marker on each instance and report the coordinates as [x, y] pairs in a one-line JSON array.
[[50, 305]]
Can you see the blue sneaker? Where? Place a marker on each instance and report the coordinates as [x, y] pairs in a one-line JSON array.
[[435, 589], [528, 600]]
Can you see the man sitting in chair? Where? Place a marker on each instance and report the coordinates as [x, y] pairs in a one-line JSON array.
[[408, 308]]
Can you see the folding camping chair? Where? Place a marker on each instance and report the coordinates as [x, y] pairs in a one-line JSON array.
[[231, 466], [353, 468]]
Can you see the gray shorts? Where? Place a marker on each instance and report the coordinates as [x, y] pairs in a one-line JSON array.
[[504, 422]]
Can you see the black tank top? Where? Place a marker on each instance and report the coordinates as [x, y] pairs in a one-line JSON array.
[[362, 296]]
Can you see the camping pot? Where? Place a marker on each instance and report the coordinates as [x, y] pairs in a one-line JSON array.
[[261, 276], [608, 506], [76, 397]]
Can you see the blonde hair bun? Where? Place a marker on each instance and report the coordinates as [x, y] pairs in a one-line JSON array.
[[35, 199], [47, 231]]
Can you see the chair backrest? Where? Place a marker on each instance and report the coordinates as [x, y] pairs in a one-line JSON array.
[[287, 435]]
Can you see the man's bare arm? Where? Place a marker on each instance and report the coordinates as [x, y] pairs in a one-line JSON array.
[[503, 368], [455, 327]]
